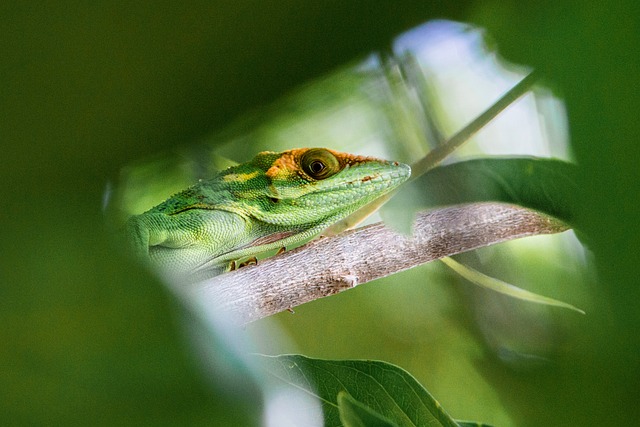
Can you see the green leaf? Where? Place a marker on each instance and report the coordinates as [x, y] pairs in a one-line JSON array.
[[504, 288], [546, 185], [385, 389], [356, 414]]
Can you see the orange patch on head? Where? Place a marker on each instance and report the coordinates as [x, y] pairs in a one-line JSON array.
[[286, 164]]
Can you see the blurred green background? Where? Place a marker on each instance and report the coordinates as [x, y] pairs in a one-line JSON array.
[[87, 89]]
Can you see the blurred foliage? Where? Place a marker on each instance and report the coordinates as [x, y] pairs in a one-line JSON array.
[[89, 337]]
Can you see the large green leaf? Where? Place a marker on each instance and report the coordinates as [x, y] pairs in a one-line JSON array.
[[546, 185], [383, 388]]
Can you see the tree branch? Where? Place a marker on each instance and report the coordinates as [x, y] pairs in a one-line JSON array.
[[330, 265]]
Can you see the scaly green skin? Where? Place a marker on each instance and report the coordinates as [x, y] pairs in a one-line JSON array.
[[275, 200]]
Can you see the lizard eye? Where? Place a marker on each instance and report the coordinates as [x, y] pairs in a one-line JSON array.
[[319, 163]]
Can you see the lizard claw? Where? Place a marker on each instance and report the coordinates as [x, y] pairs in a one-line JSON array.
[[234, 265], [251, 261]]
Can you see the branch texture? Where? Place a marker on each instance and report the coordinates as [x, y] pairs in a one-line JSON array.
[[330, 265]]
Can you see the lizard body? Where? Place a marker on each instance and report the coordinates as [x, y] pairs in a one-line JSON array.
[[274, 200]]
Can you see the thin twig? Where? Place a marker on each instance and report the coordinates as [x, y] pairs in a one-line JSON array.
[[438, 154]]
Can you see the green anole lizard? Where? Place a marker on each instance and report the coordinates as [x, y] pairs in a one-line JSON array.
[[272, 201]]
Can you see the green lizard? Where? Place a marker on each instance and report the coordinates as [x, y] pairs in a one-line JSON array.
[[272, 201]]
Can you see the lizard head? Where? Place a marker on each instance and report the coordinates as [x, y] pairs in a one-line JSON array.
[[316, 186]]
